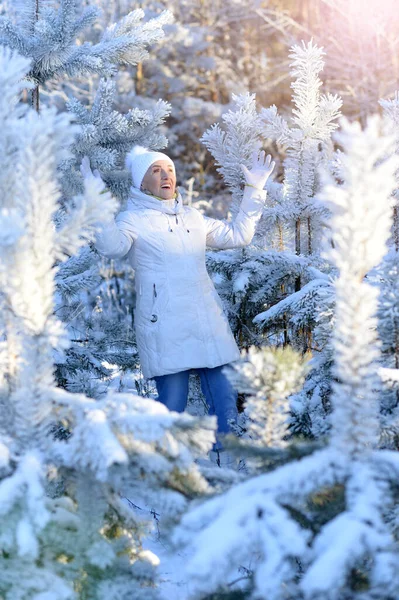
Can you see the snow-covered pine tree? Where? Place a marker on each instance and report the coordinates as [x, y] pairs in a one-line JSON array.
[[218, 49], [360, 229], [279, 270], [100, 319], [387, 277], [106, 135], [268, 376], [299, 316], [307, 142], [63, 520], [348, 550], [95, 296], [47, 33], [234, 144]]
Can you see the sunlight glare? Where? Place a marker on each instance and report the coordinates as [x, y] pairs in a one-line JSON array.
[[369, 17]]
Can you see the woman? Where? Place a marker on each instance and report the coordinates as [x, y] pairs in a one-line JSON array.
[[179, 320]]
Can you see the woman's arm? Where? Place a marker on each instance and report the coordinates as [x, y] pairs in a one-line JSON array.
[[115, 238], [240, 232]]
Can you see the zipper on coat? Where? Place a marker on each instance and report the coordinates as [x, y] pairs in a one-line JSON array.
[[176, 203]]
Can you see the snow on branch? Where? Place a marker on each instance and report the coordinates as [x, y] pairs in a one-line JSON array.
[[268, 376], [48, 37], [313, 121], [360, 224], [294, 303]]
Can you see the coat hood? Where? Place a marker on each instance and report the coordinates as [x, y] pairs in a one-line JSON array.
[[139, 200]]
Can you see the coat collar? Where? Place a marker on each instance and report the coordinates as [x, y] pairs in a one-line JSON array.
[[139, 201]]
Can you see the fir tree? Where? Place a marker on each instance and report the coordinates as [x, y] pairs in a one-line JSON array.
[[99, 320], [96, 295], [239, 273], [235, 144], [305, 310], [47, 35], [349, 550], [268, 377], [282, 269], [386, 277], [63, 518]]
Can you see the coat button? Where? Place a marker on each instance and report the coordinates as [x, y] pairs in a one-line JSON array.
[[154, 318]]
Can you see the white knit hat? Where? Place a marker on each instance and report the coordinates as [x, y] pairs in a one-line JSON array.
[[139, 159]]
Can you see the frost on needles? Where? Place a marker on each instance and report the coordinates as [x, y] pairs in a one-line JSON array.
[[303, 313], [47, 35], [348, 550], [386, 277], [279, 288], [64, 522], [52, 37]]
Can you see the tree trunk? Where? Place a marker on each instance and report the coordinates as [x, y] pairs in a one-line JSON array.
[[36, 90], [396, 227], [310, 241], [139, 79], [36, 98], [280, 236], [298, 250]]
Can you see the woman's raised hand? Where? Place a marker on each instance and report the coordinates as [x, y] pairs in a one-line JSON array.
[[262, 168], [92, 177]]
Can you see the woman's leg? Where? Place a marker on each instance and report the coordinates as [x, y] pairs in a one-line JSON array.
[[221, 398], [173, 390]]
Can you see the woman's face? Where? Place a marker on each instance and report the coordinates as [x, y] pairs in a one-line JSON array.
[[160, 180]]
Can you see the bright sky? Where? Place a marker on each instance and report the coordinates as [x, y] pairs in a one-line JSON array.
[[369, 15]]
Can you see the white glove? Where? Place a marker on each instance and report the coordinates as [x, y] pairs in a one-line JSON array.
[[94, 184], [92, 176], [262, 168]]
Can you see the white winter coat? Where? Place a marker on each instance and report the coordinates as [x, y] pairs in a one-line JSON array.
[[179, 318]]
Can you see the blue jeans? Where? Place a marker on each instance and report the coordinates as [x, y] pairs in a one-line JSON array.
[[220, 396]]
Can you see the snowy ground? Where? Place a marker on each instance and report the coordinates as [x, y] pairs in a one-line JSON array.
[[173, 586]]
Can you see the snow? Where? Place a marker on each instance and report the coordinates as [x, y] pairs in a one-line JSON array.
[[123, 440], [173, 583], [388, 375], [279, 309], [11, 226], [26, 539], [4, 456]]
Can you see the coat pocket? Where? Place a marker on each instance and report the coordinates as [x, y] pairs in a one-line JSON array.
[[151, 304]]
